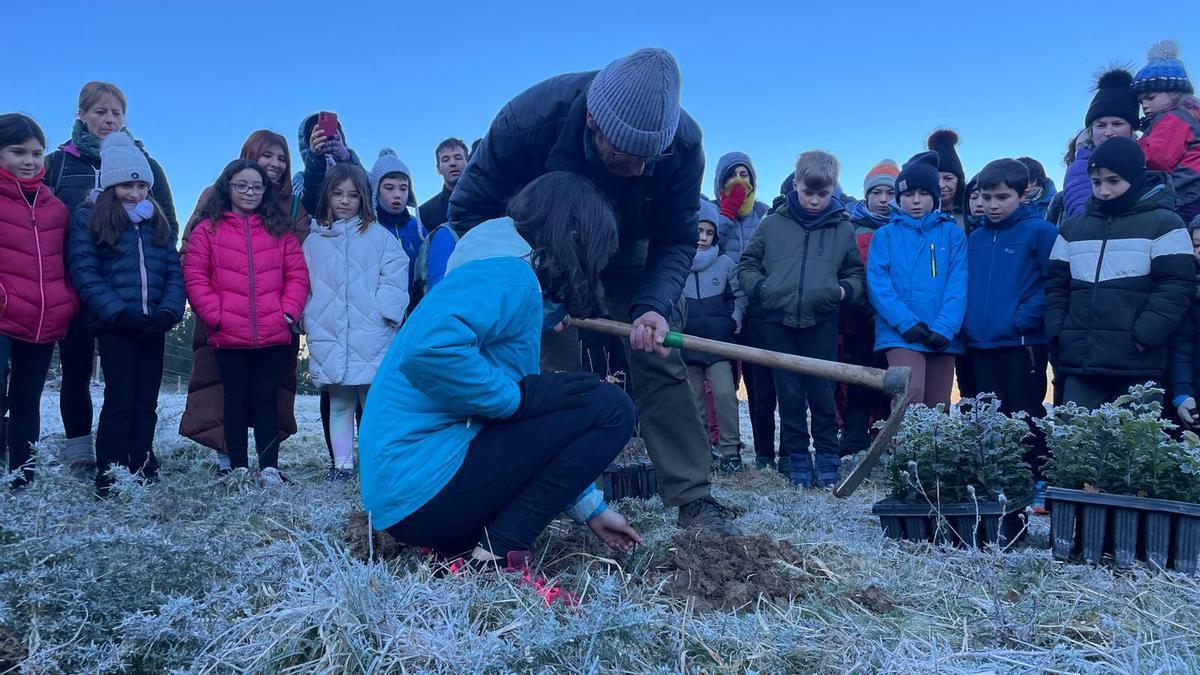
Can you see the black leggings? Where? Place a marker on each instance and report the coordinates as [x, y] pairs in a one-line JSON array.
[[133, 369], [519, 475], [250, 378], [30, 363], [76, 352]]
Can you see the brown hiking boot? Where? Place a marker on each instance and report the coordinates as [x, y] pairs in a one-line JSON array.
[[707, 513]]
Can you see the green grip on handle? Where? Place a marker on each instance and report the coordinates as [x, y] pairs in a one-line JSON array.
[[673, 340]]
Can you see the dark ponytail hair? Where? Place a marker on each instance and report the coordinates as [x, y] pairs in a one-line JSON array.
[[16, 128], [573, 232], [220, 202]]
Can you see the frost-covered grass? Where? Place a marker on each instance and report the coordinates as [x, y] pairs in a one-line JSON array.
[[188, 575]]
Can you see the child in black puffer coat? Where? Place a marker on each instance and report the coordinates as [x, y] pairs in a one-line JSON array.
[[124, 265]]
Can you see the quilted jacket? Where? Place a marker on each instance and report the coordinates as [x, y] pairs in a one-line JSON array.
[[241, 281], [36, 300], [358, 294]]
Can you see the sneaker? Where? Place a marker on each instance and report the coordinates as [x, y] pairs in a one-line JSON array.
[[1039, 498], [520, 562], [707, 513], [764, 463], [337, 475], [271, 477], [730, 463]]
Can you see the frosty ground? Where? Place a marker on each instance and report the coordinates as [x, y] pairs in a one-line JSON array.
[[188, 575]]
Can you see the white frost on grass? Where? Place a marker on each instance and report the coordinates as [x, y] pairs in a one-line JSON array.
[[188, 576]]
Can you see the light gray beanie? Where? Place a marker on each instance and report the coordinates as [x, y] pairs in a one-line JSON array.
[[122, 161], [635, 101], [389, 162], [708, 212]]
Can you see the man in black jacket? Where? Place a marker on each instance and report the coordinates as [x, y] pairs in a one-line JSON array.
[[622, 128], [451, 158]]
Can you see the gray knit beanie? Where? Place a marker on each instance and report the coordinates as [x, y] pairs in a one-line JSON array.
[[121, 161], [635, 101], [389, 162], [708, 212]]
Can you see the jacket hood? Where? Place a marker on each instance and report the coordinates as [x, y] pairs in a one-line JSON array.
[[726, 163], [495, 238], [306, 128], [1159, 194]]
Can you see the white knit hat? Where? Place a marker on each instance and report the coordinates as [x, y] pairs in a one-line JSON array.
[[121, 161]]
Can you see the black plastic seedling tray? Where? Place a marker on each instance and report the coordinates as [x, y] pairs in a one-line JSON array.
[[635, 480], [1160, 532], [972, 524]]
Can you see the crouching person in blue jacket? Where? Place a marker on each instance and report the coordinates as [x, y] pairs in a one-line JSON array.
[[488, 449]]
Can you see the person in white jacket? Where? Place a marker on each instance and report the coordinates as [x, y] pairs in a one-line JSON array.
[[358, 294]]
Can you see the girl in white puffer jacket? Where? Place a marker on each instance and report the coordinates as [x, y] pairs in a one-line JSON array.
[[358, 293]]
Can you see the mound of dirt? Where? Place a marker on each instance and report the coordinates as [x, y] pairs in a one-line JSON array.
[[359, 536], [733, 573]]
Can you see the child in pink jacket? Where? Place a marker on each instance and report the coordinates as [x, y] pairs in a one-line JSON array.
[[247, 281]]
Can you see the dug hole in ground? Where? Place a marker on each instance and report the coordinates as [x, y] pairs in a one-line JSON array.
[[192, 575]]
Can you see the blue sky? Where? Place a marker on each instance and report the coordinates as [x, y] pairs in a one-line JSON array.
[[863, 80]]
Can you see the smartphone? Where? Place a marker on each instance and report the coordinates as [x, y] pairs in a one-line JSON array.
[[327, 122]]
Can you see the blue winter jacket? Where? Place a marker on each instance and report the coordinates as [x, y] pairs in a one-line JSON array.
[[1007, 266], [455, 364], [917, 271], [136, 273]]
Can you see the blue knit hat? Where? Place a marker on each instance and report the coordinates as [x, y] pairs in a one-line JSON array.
[[1163, 72], [635, 101], [921, 171], [389, 162]]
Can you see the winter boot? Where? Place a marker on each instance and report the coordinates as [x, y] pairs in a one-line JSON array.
[[707, 513], [827, 469], [80, 455], [800, 470], [763, 463]]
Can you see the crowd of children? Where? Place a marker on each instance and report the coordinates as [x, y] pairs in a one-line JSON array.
[[993, 278]]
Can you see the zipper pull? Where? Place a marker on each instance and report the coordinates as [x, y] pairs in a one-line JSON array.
[[932, 262]]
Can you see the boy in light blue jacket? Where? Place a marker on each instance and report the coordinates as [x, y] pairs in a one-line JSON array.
[[917, 280]]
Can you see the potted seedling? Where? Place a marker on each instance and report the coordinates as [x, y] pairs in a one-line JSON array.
[[958, 476], [1123, 484]]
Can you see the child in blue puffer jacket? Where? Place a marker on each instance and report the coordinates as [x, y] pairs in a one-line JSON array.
[[126, 270], [917, 278], [1008, 265]]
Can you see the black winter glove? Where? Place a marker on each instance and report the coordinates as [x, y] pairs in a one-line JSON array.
[[131, 321], [547, 392], [918, 333], [937, 342], [163, 321]]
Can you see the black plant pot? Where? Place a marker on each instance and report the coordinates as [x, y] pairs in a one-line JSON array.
[[960, 524], [1164, 534], [635, 480]]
